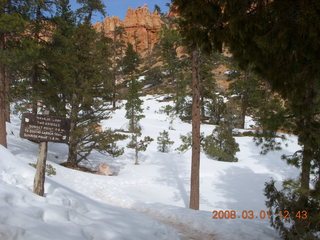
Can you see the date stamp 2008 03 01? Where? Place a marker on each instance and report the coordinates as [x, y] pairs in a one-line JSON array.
[[250, 214]]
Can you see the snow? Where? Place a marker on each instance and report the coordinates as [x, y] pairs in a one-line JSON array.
[[249, 122], [64, 213], [230, 72], [141, 78], [148, 86], [146, 201]]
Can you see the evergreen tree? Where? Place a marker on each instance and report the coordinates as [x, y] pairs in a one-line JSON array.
[[248, 90], [279, 39], [134, 114], [29, 66], [88, 7], [175, 71], [154, 76], [59, 54], [169, 42], [216, 108], [133, 106], [298, 83], [173, 65], [11, 25], [88, 94], [117, 55], [79, 58], [164, 142], [158, 10], [137, 41], [193, 37], [208, 83], [130, 62], [221, 144]]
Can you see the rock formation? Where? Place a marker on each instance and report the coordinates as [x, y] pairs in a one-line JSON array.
[[104, 169], [141, 28]]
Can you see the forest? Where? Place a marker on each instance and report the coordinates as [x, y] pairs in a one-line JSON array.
[[222, 78]]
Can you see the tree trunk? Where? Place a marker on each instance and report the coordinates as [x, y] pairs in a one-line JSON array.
[[244, 100], [305, 170], [114, 82], [72, 155], [195, 165], [39, 179], [114, 90], [6, 82], [203, 111], [7, 100], [35, 78], [136, 149], [307, 121], [3, 129]]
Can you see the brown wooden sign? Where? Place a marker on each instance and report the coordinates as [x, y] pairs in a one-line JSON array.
[[45, 128]]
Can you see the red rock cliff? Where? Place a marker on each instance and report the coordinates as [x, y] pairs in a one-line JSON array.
[[141, 28]]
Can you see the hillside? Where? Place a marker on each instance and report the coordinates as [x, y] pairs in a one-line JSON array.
[[146, 201]]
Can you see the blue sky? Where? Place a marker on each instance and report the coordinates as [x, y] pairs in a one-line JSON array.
[[119, 7]]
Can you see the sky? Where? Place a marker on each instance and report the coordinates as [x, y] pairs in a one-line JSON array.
[[120, 7]]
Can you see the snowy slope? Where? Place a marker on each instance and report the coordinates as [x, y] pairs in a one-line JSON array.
[[64, 214], [158, 187]]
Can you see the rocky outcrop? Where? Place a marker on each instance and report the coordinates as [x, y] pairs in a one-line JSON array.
[[141, 28], [104, 169]]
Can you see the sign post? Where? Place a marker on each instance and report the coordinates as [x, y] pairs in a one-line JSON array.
[[39, 178], [43, 129]]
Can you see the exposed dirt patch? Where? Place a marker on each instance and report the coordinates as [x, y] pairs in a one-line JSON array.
[[83, 169]]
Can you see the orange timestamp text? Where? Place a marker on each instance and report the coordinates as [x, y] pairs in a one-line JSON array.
[[250, 214]]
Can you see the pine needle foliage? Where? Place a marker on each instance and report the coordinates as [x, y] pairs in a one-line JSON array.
[[164, 142], [221, 144]]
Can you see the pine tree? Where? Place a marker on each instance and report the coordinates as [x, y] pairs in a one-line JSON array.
[[164, 142], [158, 10], [33, 45], [248, 91], [279, 39], [193, 37], [216, 108], [134, 103], [207, 80], [79, 58], [298, 83], [169, 42], [59, 54], [134, 114], [154, 76], [221, 144], [173, 65], [88, 8], [137, 41], [87, 98], [117, 55], [11, 26], [130, 61]]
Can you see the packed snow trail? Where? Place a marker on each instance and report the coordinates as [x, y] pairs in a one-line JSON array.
[[184, 230]]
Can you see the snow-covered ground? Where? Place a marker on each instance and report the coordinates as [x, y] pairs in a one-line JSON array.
[[146, 201]]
